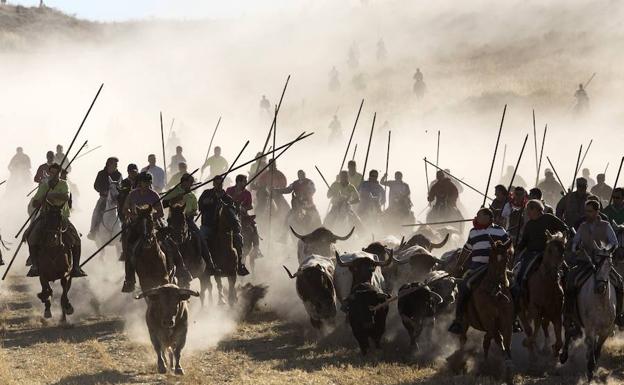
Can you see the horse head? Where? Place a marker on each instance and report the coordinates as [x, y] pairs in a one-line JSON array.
[[145, 218], [54, 230], [603, 265], [555, 250], [500, 252], [177, 221]]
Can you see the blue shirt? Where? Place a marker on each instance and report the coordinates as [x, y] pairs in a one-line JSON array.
[[158, 177]]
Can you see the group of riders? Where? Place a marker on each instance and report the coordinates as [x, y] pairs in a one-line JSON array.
[[525, 219]]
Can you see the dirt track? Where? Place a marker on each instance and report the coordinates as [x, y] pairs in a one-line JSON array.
[[263, 349]]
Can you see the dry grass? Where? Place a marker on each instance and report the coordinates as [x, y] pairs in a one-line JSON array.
[[263, 350]]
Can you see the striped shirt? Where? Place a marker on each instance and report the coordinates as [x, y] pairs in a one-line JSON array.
[[478, 242]]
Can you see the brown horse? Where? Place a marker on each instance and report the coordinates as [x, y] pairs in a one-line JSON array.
[[490, 308], [150, 260], [55, 260], [542, 302], [189, 246]]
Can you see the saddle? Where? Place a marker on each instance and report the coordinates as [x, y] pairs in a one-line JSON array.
[[472, 278]]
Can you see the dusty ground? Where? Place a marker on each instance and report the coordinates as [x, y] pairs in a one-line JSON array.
[[262, 350]]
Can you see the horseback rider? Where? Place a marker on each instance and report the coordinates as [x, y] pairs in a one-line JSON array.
[[19, 166], [594, 231], [615, 211], [176, 160], [372, 198], [157, 173], [128, 184], [144, 195], [265, 105], [257, 165], [498, 204], [342, 195], [43, 170], [477, 248], [536, 193], [302, 191], [104, 178], [582, 100], [243, 200], [571, 207], [53, 192], [444, 192], [270, 179], [601, 189], [517, 179], [514, 212], [216, 163], [334, 81], [177, 177], [335, 128], [533, 242], [59, 157], [209, 204], [355, 178], [399, 200], [551, 189], [191, 208]]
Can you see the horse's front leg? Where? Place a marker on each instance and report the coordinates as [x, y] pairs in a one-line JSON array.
[[590, 344], [44, 296], [221, 300], [232, 297], [66, 306]]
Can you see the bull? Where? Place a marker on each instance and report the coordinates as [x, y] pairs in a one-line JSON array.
[[167, 322], [315, 275], [423, 241], [367, 289]]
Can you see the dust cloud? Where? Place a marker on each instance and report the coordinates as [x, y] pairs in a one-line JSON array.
[[475, 58]]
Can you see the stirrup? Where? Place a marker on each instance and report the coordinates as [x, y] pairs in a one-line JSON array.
[[517, 327], [78, 273], [128, 287], [242, 270], [33, 272]]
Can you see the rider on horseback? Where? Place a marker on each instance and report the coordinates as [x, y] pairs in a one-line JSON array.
[[514, 213], [54, 193], [302, 191], [102, 184], [477, 248], [210, 202], [532, 244], [498, 204], [243, 201], [342, 195], [594, 231], [183, 192], [372, 198]]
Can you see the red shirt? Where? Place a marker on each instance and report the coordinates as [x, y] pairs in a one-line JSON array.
[[241, 197]]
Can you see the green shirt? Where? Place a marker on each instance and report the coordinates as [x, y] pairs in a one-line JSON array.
[[175, 179], [614, 214], [337, 192], [62, 188], [190, 200]]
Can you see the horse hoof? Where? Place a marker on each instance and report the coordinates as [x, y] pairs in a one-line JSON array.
[[162, 369], [47, 313], [563, 357], [69, 309], [179, 371]]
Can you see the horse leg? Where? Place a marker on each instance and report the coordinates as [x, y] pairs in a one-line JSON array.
[[65, 304], [545, 325], [528, 342], [598, 349], [487, 339], [590, 344], [232, 297], [44, 296], [220, 290], [558, 342], [202, 288]]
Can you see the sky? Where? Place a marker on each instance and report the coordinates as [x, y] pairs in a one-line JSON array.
[[120, 10]]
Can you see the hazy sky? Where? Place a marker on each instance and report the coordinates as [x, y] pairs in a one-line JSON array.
[[107, 10]]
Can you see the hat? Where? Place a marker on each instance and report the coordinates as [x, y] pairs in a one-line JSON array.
[[132, 167]]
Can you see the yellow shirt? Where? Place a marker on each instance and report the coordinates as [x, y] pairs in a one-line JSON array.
[[190, 200], [61, 187], [338, 192]]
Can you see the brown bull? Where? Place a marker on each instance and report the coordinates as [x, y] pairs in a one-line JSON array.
[[167, 322], [542, 303], [319, 242]]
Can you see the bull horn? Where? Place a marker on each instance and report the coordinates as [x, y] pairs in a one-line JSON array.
[[339, 261], [402, 244], [288, 271], [346, 236], [147, 292], [441, 244], [296, 234], [388, 260], [437, 298]]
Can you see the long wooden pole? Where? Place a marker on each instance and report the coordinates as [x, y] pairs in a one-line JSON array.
[[162, 142], [563, 189], [584, 155], [438, 150], [279, 105], [370, 139], [518, 163], [354, 152], [500, 129], [426, 176], [539, 165], [578, 160], [388, 159], [535, 142], [322, 177], [617, 178], [357, 117], [459, 180]]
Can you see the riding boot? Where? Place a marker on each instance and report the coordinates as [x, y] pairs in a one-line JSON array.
[[34, 266], [77, 271], [129, 282], [457, 327]]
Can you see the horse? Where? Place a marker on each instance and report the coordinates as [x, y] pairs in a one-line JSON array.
[[596, 307], [224, 254], [55, 260], [149, 259], [490, 307], [303, 217], [111, 223], [189, 246], [542, 302]]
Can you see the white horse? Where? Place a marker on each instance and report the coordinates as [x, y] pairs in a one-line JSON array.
[[596, 307], [110, 224]]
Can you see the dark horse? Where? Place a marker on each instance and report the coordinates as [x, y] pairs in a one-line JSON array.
[[55, 260], [189, 246], [149, 259]]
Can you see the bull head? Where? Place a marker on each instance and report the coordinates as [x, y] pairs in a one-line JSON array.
[[441, 244], [333, 236], [380, 263], [290, 275], [183, 293]]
